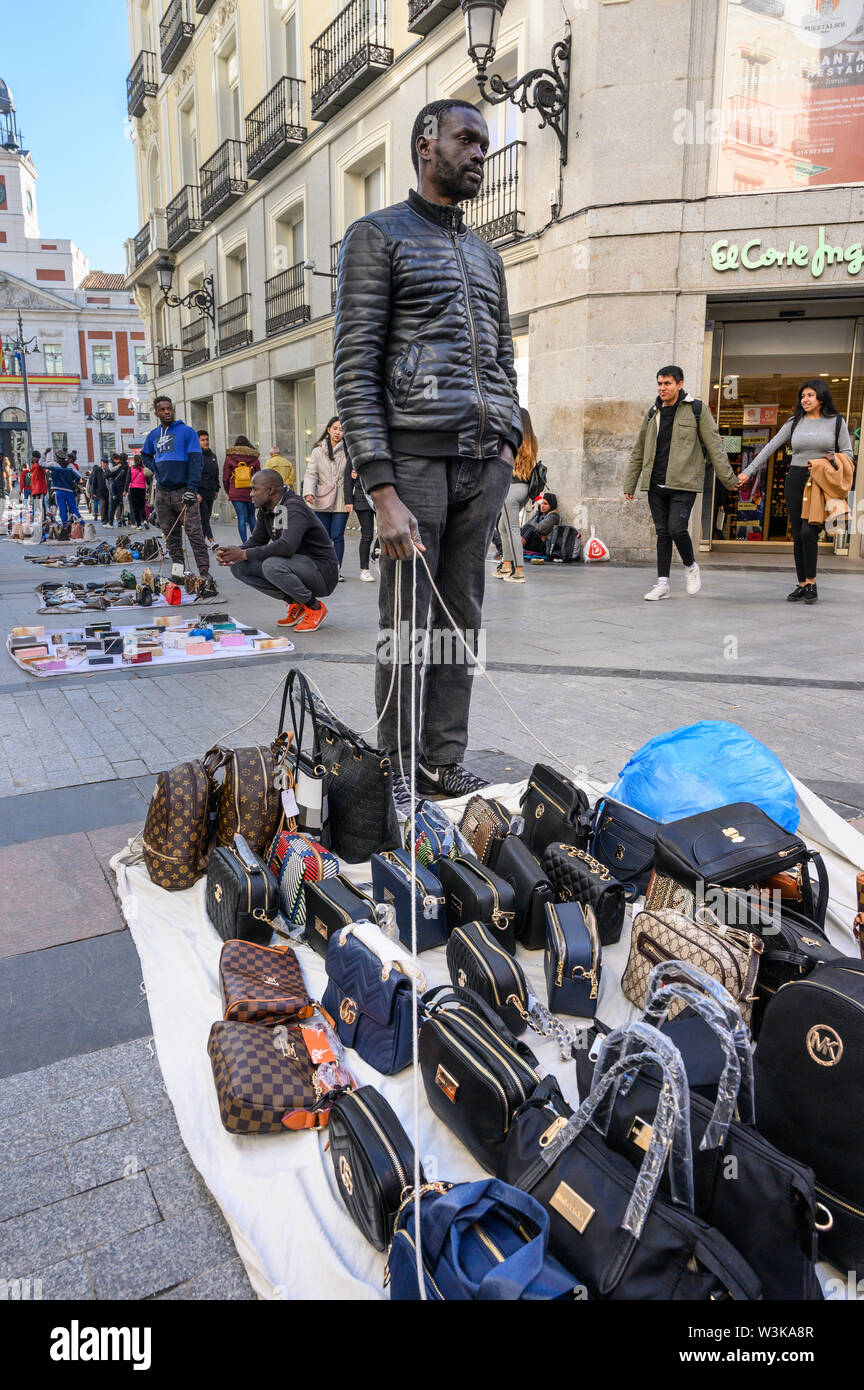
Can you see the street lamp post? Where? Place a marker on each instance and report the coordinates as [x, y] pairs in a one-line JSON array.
[[101, 416], [203, 299], [20, 347]]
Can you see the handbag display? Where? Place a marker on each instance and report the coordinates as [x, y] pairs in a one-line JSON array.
[[724, 953], [792, 948], [369, 996], [242, 898], [249, 805], [373, 1161], [332, 904], [768, 1210], [623, 840], [531, 888], [475, 1072], [609, 1225], [177, 829], [573, 960], [397, 880], [555, 811], [473, 893], [262, 984], [480, 1240], [739, 846], [479, 966], [578, 878], [265, 1079], [810, 1090], [485, 825], [435, 836], [294, 860]]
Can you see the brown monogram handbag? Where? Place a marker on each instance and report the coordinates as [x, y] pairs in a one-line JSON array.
[[726, 954], [250, 804], [265, 1079], [177, 829]]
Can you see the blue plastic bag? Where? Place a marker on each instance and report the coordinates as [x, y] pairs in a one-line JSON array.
[[703, 766]]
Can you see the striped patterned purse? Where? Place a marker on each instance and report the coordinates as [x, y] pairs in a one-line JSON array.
[[294, 859]]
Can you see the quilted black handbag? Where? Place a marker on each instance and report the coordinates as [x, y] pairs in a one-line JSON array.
[[531, 889], [373, 1160], [242, 894], [577, 878], [555, 811], [623, 840], [478, 964]]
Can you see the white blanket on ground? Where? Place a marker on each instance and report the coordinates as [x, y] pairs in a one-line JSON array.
[[277, 1191]]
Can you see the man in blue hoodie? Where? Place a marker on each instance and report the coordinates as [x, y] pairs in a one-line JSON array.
[[173, 453], [65, 481]]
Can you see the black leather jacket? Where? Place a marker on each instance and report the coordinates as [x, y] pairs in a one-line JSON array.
[[423, 340]]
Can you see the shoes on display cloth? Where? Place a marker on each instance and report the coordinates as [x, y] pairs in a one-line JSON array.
[[451, 780], [207, 587], [311, 620], [660, 590]]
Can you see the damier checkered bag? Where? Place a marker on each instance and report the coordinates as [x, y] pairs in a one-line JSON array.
[[265, 1079], [295, 859], [262, 984]]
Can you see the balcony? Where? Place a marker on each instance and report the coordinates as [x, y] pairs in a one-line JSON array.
[[204, 6], [222, 179], [142, 245], [286, 299], [164, 361], [334, 270], [175, 34], [349, 55], [423, 15], [184, 217], [495, 212], [101, 378], [275, 127], [233, 324], [194, 342], [141, 83], [753, 122], [141, 378]]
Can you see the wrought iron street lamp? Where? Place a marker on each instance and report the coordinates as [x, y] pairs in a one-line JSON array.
[[21, 348], [203, 299], [544, 90], [325, 274], [101, 416]]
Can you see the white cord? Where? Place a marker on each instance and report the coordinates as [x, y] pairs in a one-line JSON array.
[[412, 839]]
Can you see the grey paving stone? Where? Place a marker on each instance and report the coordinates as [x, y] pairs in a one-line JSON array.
[[123, 1152], [35, 1182], [29, 1088], [145, 1093], [95, 1069], [228, 1282], [49, 1126], [76, 1224], [130, 769], [67, 1281], [160, 1257], [178, 1186]]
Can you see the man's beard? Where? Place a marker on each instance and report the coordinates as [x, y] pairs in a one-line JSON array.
[[452, 181]]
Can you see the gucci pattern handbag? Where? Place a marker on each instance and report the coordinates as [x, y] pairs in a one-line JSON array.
[[726, 954], [265, 1079], [578, 878], [262, 984]]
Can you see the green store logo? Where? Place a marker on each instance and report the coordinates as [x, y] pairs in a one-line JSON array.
[[754, 255]]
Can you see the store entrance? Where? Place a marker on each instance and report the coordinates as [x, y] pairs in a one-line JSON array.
[[758, 366]]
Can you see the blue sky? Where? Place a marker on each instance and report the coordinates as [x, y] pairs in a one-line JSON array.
[[67, 65]]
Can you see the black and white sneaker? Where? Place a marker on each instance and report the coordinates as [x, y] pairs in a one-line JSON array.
[[452, 780], [207, 587], [405, 807]]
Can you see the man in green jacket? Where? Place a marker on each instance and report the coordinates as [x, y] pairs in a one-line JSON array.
[[668, 461]]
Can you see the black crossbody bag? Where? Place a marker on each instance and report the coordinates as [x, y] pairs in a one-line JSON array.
[[473, 893], [373, 1161], [555, 810], [577, 878], [242, 894]]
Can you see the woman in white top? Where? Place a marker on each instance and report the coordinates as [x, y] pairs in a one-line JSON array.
[[327, 486], [816, 430]]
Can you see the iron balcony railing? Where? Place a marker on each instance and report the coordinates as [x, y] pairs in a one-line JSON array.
[[286, 299], [233, 321], [753, 122], [164, 361], [141, 379], [101, 378], [184, 218], [141, 83], [495, 212], [142, 245], [175, 34], [204, 6], [194, 342], [335, 248], [275, 127], [423, 15], [223, 179], [351, 53]]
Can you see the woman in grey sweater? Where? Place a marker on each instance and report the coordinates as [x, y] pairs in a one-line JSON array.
[[816, 430]]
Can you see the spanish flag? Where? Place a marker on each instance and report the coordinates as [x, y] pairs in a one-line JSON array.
[[2, 359]]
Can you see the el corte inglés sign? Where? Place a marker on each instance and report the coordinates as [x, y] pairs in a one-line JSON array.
[[755, 254]]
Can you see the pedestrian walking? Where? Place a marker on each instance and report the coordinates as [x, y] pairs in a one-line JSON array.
[[512, 566], [677, 436], [289, 555], [118, 486], [241, 465], [97, 491], [284, 467], [24, 484], [327, 486], [173, 452], [39, 491], [365, 514], [544, 519], [817, 434], [65, 482], [208, 488], [137, 492], [423, 293]]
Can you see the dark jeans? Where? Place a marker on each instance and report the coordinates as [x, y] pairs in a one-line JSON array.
[[245, 519], [532, 541], [115, 507], [137, 500], [670, 512], [297, 578], [206, 506], [457, 503], [805, 537], [367, 534], [169, 509], [334, 524]]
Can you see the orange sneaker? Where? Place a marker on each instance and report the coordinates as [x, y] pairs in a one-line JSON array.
[[293, 614], [311, 620]]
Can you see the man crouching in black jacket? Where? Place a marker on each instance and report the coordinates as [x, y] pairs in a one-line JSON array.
[[427, 394], [289, 554]]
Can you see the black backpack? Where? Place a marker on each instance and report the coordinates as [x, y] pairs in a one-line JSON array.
[[564, 543], [810, 1095]]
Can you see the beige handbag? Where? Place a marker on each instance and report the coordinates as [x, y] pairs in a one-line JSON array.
[[727, 954]]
